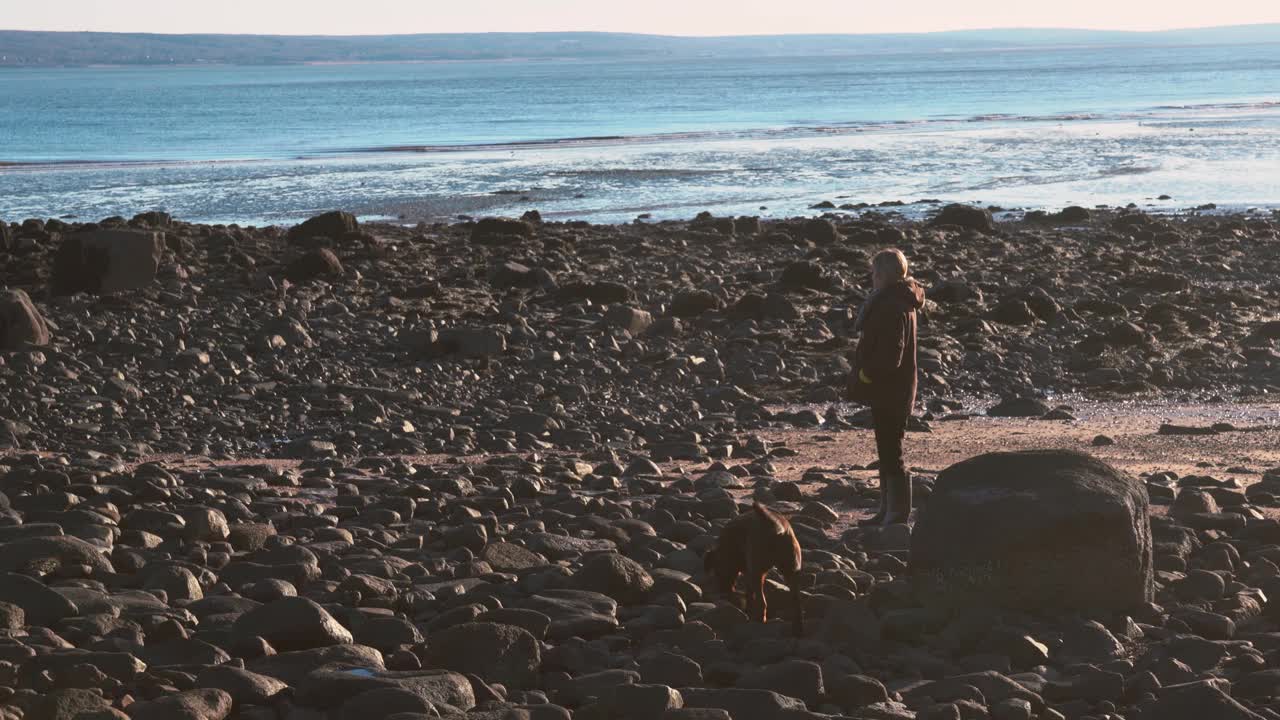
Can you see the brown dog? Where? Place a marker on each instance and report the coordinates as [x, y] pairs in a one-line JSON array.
[[750, 545]]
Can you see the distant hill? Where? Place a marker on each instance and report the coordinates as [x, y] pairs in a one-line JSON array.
[[24, 48]]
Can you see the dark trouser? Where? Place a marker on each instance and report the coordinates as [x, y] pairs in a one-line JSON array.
[[891, 428], [895, 485]]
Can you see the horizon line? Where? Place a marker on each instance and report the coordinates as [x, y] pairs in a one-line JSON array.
[[1019, 28]]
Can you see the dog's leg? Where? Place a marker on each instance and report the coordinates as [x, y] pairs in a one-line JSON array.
[[760, 611]]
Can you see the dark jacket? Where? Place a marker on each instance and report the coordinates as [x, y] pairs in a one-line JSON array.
[[887, 349]]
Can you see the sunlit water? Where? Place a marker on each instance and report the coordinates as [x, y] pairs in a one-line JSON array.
[[609, 140]]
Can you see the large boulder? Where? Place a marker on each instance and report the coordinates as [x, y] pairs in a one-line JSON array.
[[21, 324], [331, 225], [1037, 529], [965, 216], [107, 261]]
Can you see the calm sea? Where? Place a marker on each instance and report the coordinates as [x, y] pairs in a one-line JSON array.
[[608, 140]]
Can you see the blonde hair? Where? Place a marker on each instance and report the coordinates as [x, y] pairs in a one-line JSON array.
[[891, 262]]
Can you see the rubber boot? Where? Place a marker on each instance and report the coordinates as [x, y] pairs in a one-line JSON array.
[[878, 518], [899, 507]]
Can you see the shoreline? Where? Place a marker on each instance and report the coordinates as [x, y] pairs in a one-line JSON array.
[[787, 289]]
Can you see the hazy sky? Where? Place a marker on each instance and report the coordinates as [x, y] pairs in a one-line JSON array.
[[675, 17]]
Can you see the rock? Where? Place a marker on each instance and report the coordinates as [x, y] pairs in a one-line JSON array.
[[1034, 529], [1258, 685], [106, 261], [993, 686], [604, 292], [498, 653], [955, 291], [12, 617], [206, 525], [338, 684], [177, 582], [381, 703], [1196, 700], [668, 668], [203, 704], [316, 264], [965, 216], [247, 537], [800, 679], [68, 704], [806, 274], [51, 552], [617, 576], [1074, 214], [493, 229], [535, 622], [633, 320], [512, 274], [645, 702], [507, 557], [121, 666], [1189, 503], [1019, 407], [691, 303], [40, 605], [244, 687], [561, 547], [470, 342], [21, 324], [1012, 709], [1171, 429], [742, 704], [820, 231], [292, 623], [293, 668], [331, 226], [856, 691], [1013, 311]]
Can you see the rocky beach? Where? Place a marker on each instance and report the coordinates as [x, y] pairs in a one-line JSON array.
[[360, 470]]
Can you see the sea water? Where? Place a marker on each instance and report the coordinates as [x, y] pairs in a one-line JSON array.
[[609, 140]]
